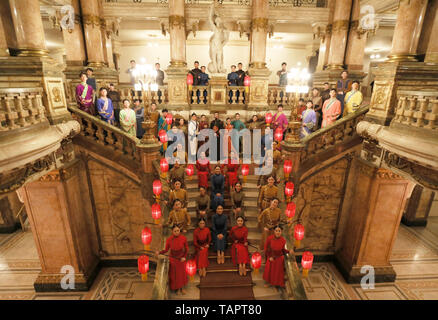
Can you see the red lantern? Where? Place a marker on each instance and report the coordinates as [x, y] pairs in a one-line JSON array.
[[162, 134], [190, 170], [290, 210], [245, 171], [190, 81], [256, 261], [143, 266], [156, 212], [289, 190], [191, 268], [247, 83], [287, 168], [278, 135], [298, 234], [268, 118], [306, 262], [157, 188], [169, 119], [146, 238], [164, 166]]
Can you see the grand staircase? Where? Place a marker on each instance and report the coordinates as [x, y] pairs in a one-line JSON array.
[[223, 281]]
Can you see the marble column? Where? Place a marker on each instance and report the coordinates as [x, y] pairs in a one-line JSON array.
[[357, 39], [428, 46], [28, 26], [407, 30], [56, 208], [418, 207], [338, 42], [177, 70], [258, 94], [74, 39], [93, 35], [322, 32], [368, 238], [4, 51]]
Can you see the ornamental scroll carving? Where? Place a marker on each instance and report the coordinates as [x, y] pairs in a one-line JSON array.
[[94, 21], [260, 24]]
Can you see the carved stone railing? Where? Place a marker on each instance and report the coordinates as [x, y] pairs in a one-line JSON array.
[[278, 95], [160, 287], [330, 136], [104, 134], [20, 108], [199, 96], [237, 95], [419, 111], [160, 97]]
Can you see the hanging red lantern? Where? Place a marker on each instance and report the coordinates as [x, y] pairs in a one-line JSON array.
[[190, 170], [298, 234], [287, 168], [146, 238], [268, 118], [156, 212], [143, 266], [289, 190], [278, 134], [290, 210], [247, 83], [191, 268], [164, 167], [245, 171], [162, 134], [256, 261], [306, 262], [169, 119], [157, 188], [190, 81]]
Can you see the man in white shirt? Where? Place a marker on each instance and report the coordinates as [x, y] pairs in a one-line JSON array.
[[193, 141]]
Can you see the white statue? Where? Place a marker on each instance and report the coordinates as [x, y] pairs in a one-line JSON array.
[[217, 42]]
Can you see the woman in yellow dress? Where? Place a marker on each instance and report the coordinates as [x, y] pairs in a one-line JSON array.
[[128, 121]]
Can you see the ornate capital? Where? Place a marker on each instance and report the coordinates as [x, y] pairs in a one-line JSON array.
[[260, 24], [94, 21], [340, 25], [177, 21]]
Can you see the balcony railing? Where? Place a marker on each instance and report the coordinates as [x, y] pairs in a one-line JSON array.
[[20, 108], [159, 97]]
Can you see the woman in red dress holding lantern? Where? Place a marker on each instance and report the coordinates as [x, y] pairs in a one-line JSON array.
[[201, 241], [274, 251], [239, 249], [232, 166], [177, 244], [203, 168]]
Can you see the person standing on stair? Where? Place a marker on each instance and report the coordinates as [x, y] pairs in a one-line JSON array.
[[178, 193], [203, 170], [275, 249], [179, 216], [217, 188], [219, 227], [267, 193], [237, 198], [201, 241], [127, 119], [202, 203], [177, 173], [232, 164], [268, 219], [239, 249], [178, 246]]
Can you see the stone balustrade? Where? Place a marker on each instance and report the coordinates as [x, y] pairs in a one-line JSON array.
[[278, 95], [106, 135], [20, 108], [159, 97], [419, 110]]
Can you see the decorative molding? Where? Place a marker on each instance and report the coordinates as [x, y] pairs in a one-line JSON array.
[[260, 24], [177, 21], [94, 21], [340, 25]]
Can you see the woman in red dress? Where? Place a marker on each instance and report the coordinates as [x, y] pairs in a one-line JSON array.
[[274, 251], [239, 249], [232, 166], [177, 244], [201, 241], [203, 169]]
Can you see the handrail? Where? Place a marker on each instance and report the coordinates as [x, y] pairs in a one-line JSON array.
[[332, 135], [160, 287], [106, 134]]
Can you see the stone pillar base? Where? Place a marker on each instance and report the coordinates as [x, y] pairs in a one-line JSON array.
[[418, 207], [258, 91], [352, 274], [177, 87], [52, 282]]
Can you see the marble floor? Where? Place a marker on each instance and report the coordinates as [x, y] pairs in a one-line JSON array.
[[414, 258]]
